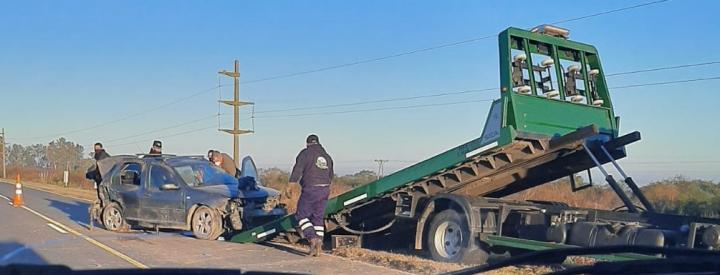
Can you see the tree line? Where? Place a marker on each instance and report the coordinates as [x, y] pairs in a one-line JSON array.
[[47, 162], [677, 195]]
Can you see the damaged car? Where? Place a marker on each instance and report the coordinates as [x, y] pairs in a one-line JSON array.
[[182, 192]]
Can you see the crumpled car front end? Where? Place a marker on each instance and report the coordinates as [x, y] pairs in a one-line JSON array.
[[255, 207]]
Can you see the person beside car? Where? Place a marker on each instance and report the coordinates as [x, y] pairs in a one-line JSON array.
[[156, 148], [314, 171], [93, 173], [225, 162]]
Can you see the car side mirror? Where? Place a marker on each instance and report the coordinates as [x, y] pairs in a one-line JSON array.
[[128, 177], [169, 186]]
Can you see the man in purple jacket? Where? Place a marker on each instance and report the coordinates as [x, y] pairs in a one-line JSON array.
[[314, 171]]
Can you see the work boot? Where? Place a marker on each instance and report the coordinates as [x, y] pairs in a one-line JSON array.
[[315, 247], [311, 250], [318, 246]]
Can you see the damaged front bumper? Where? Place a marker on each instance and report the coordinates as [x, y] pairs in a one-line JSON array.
[[247, 213]]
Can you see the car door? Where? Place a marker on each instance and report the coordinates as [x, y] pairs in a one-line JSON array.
[[163, 207], [249, 169], [129, 191]]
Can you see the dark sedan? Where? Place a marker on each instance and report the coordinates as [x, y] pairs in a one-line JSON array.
[[186, 193]]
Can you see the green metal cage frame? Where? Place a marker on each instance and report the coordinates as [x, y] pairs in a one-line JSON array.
[[532, 114]]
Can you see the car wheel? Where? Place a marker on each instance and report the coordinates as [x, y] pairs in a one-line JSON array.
[[206, 223], [449, 240], [113, 218]]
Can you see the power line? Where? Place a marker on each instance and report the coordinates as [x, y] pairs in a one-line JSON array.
[[155, 108], [608, 12], [441, 104], [468, 91], [379, 109], [440, 46], [379, 100], [422, 106], [363, 61], [166, 128], [166, 136], [666, 82], [664, 68], [423, 96]]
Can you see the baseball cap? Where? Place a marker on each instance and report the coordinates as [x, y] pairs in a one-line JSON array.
[[312, 139]]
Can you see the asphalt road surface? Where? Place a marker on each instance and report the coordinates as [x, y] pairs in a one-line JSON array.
[[52, 229]]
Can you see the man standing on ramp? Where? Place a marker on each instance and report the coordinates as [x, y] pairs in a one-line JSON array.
[[314, 171]]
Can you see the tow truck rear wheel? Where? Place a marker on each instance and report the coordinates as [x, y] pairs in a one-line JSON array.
[[449, 240], [206, 223]]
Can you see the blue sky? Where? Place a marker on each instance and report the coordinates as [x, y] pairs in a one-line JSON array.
[[70, 65]]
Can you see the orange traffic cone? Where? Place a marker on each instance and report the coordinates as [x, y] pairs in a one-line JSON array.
[[17, 200]]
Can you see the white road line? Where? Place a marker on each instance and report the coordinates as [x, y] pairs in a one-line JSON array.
[[58, 229], [88, 239], [52, 192]]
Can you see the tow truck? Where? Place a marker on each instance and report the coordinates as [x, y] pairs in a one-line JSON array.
[[554, 119]]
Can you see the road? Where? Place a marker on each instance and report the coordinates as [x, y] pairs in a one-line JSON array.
[[52, 229]]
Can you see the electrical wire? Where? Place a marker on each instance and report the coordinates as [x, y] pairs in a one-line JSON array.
[[95, 126], [666, 82], [165, 136], [402, 107], [664, 68], [440, 46], [378, 109], [166, 128], [468, 91], [608, 12], [378, 101], [354, 63]]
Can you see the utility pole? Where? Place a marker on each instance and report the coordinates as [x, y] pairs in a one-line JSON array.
[[2, 149], [381, 167], [236, 103]]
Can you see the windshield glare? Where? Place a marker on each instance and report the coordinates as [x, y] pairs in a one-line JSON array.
[[202, 173]]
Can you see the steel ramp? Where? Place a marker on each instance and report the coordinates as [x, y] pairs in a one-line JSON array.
[[266, 231], [460, 171]]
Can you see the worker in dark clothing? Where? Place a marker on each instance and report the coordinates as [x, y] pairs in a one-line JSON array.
[[210, 154], [93, 172], [224, 161], [156, 148], [314, 171], [100, 153]]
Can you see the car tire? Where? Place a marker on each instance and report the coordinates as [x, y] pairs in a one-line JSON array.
[[449, 240], [206, 223], [113, 218]]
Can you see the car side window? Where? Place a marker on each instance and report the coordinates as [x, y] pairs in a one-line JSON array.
[[130, 166], [158, 176]]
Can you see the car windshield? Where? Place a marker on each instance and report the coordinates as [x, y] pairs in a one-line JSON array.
[[196, 172]]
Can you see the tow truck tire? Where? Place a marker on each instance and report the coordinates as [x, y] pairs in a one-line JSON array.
[[206, 223], [113, 218], [449, 240]]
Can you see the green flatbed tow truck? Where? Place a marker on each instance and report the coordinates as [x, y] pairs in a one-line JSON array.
[[554, 119]]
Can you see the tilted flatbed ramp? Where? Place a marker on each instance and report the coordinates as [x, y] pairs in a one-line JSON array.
[[529, 137], [384, 185]]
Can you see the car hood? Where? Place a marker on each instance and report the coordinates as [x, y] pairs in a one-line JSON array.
[[232, 191]]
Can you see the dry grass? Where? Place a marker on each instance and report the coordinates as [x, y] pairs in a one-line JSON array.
[[418, 265], [290, 194]]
